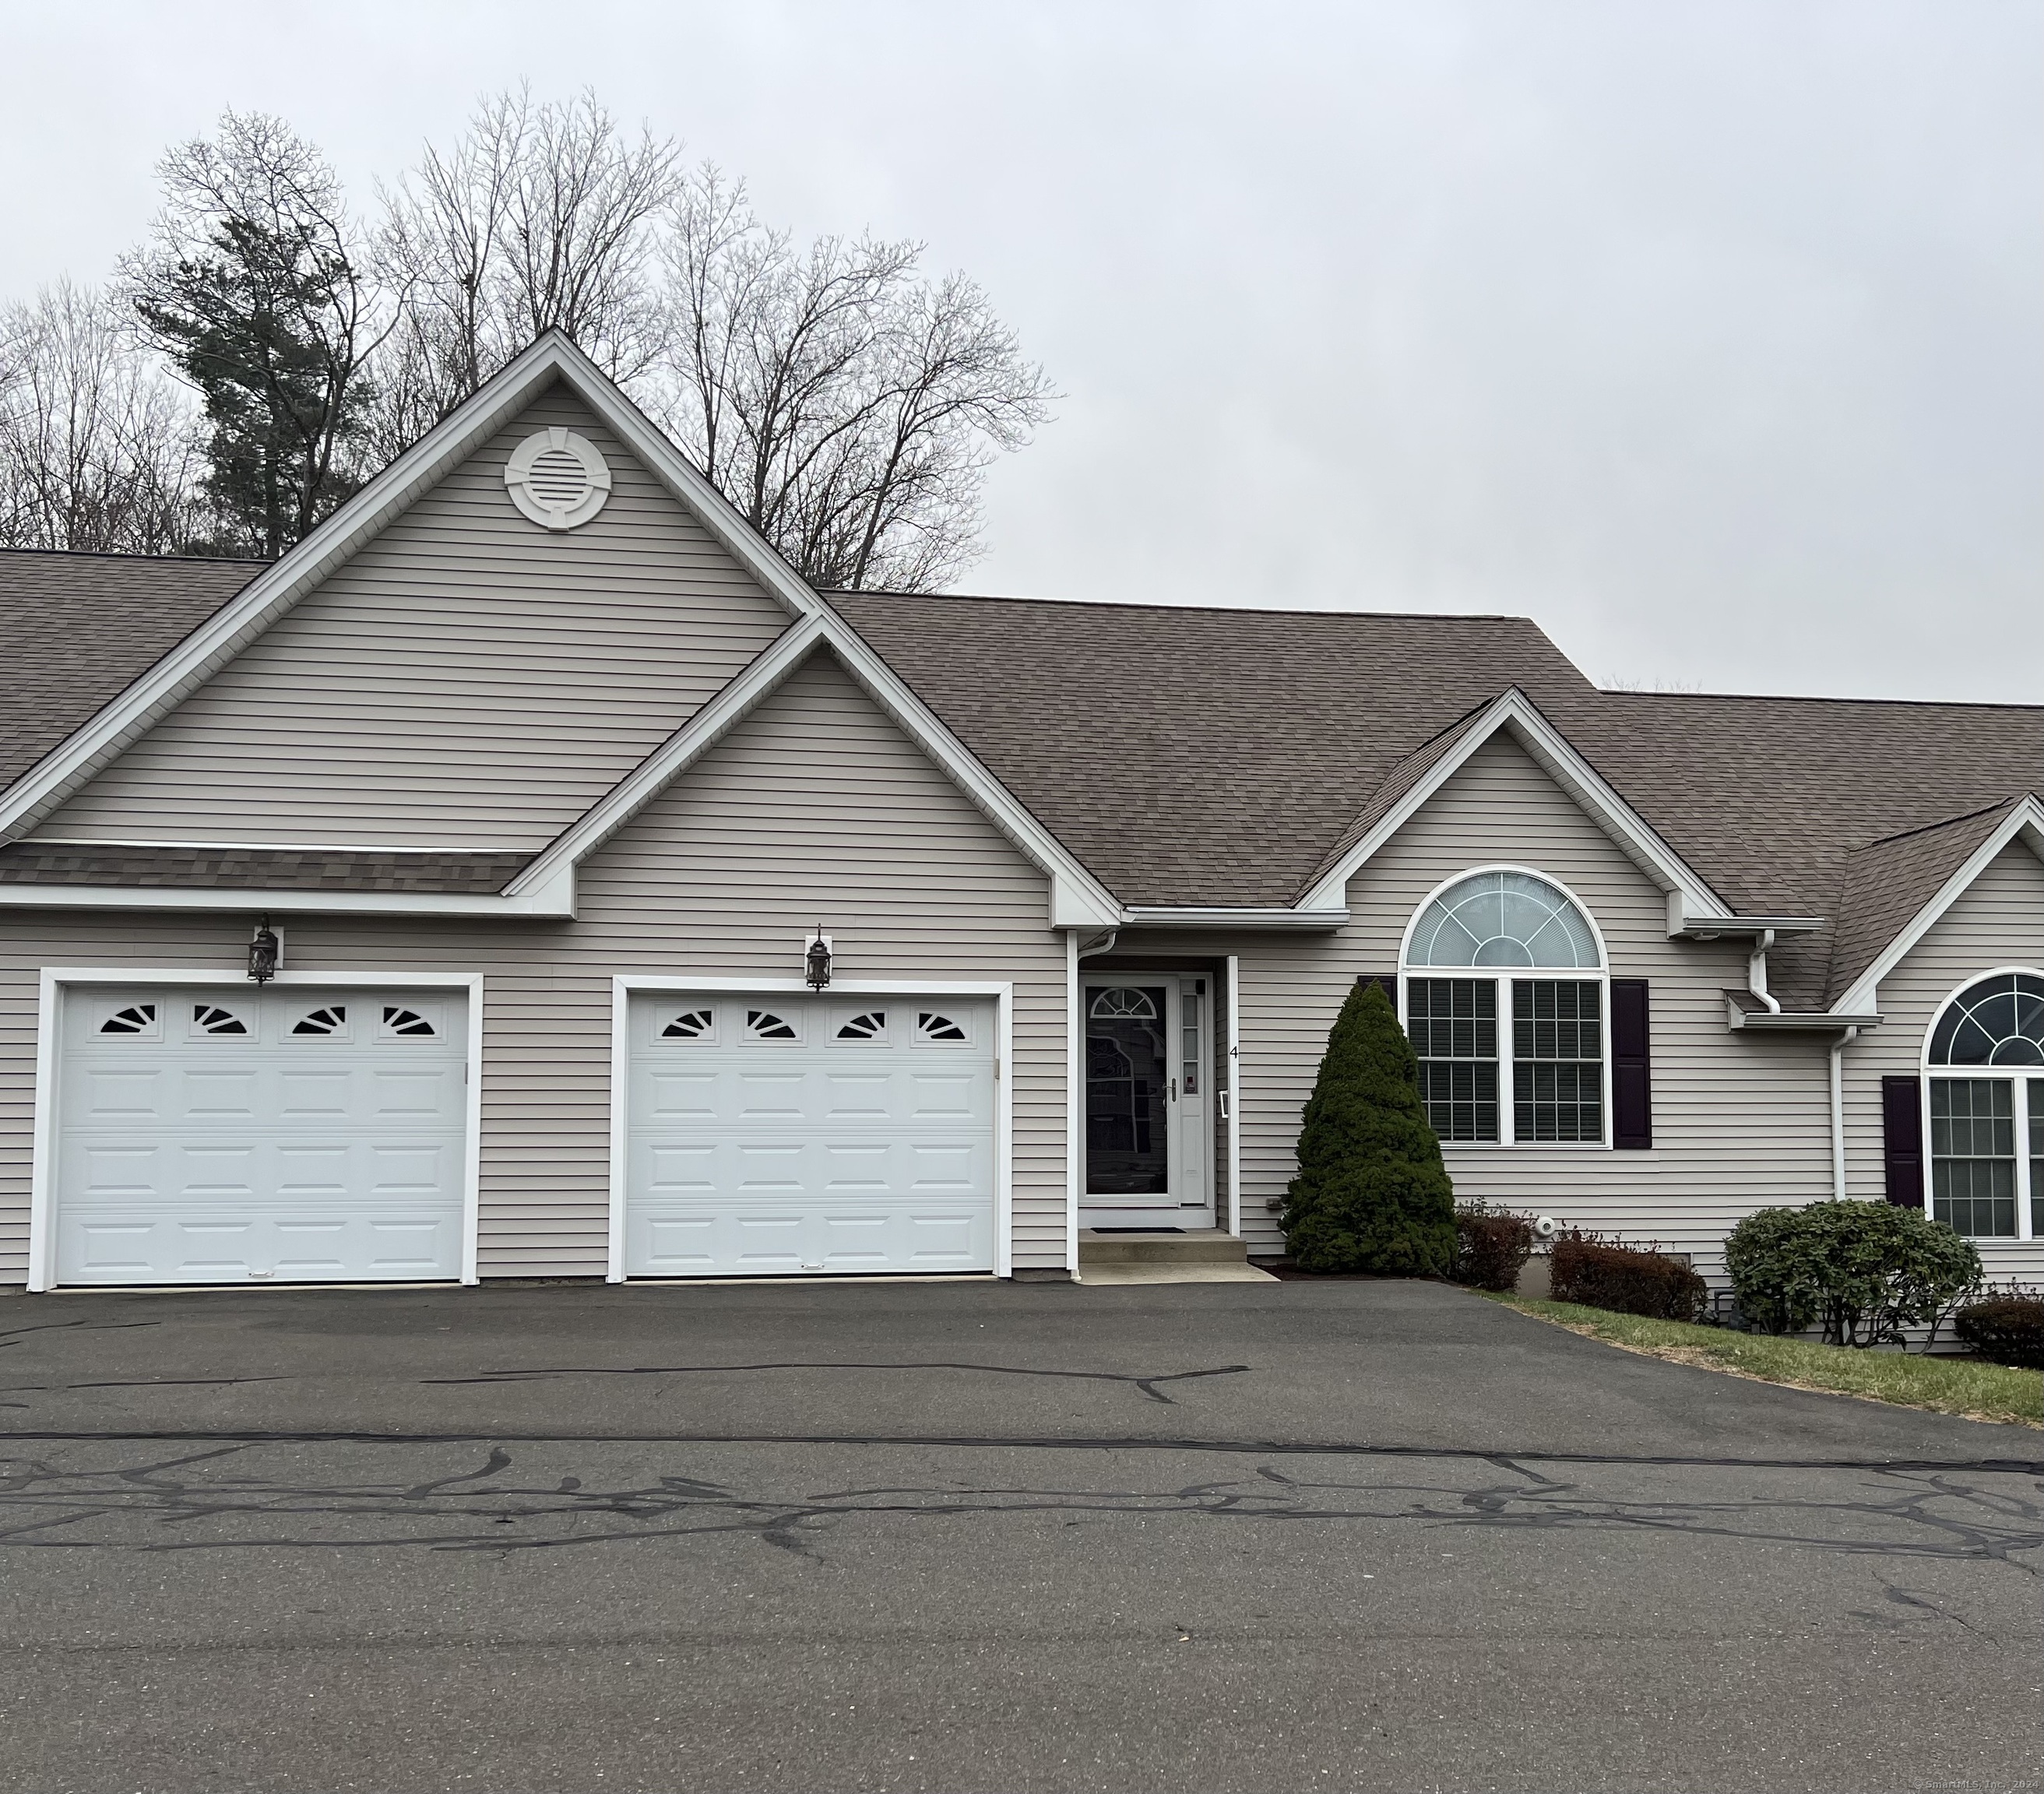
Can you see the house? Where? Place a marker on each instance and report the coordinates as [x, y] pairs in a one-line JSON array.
[[637, 912]]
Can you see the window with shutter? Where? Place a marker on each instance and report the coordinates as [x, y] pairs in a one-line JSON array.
[[1631, 1065], [1902, 1139]]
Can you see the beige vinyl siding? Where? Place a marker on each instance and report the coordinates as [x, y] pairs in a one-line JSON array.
[[814, 808], [1740, 1123], [467, 679], [1998, 922]]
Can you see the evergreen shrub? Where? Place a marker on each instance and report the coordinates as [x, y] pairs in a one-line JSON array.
[[1862, 1270], [1626, 1280], [1492, 1245], [2005, 1326], [1371, 1194]]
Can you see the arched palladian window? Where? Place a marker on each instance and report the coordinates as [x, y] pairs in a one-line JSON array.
[[1987, 1125], [1494, 927]]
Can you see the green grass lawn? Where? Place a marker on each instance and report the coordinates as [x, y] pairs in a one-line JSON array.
[[1967, 1386]]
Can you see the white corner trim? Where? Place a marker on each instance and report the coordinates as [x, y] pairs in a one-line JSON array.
[[55, 979], [1074, 1103], [1516, 712], [1234, 1197], [2026, 820], [1002, 991]]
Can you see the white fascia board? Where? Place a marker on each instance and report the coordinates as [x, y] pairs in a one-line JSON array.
[[674, 756], [1626, 827], [2026, 821], [1078, 900], [1158, 916], [553, 900]]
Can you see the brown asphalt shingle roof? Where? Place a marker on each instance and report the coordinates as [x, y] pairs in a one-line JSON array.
[[1192, 756], [80, 629]]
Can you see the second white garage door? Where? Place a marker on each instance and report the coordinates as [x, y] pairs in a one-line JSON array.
[[775, 1135]]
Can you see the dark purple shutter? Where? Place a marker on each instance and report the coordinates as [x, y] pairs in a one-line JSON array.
[[1902, 1139], [1388, 986], [1631, 1065]]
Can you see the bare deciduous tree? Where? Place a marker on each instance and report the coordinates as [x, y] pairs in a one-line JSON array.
[[255, 290], [98, 449], [541, 217], [847, 407]]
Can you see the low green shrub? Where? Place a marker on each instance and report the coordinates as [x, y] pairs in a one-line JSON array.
[[1595, 1274], [2005, 1326], [1491, 1245], [1862, 1270]]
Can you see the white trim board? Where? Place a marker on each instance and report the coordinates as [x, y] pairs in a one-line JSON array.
[[625, 985], [56, 979], [553, 901], [1516, 714]]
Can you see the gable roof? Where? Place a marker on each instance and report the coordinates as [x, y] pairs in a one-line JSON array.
[[1199, 756], [1147, 757], [81, 628], [1771, 797], [1887, 882]]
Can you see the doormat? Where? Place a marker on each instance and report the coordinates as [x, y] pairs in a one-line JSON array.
[[1136, 1230]]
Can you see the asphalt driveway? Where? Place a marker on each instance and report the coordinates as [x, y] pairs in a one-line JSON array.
[[965, 1536]]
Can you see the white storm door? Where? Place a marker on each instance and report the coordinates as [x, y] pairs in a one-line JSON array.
[[1144, 1164], [233, 1134], [773, 1135]]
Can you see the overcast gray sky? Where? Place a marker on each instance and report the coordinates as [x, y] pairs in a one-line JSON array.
[[1710, 334]]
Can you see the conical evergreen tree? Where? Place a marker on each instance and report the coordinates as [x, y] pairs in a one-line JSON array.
[[1371, 1194]]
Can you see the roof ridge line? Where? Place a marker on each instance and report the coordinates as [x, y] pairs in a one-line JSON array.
[[1943, 822], [835, 592]]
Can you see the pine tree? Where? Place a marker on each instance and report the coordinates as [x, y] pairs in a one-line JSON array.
[[1371, 1194]]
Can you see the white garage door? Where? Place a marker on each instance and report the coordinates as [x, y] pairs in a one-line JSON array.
[[289, 1133], [775, 1134]]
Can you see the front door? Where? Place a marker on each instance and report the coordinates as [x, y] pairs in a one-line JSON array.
[[1147, 1144]]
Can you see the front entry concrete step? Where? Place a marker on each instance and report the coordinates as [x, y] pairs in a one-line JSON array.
[[1206, 1255]]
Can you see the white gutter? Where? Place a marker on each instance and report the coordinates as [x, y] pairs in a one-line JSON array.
[[1160, 916]]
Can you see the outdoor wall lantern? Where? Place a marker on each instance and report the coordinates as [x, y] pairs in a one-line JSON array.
[[816, 962], [262, 951]]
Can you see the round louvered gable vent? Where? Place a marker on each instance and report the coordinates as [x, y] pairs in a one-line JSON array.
[[558, 478]]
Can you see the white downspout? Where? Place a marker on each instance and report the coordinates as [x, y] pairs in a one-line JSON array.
[[1756, 970], [1838, 1057]]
